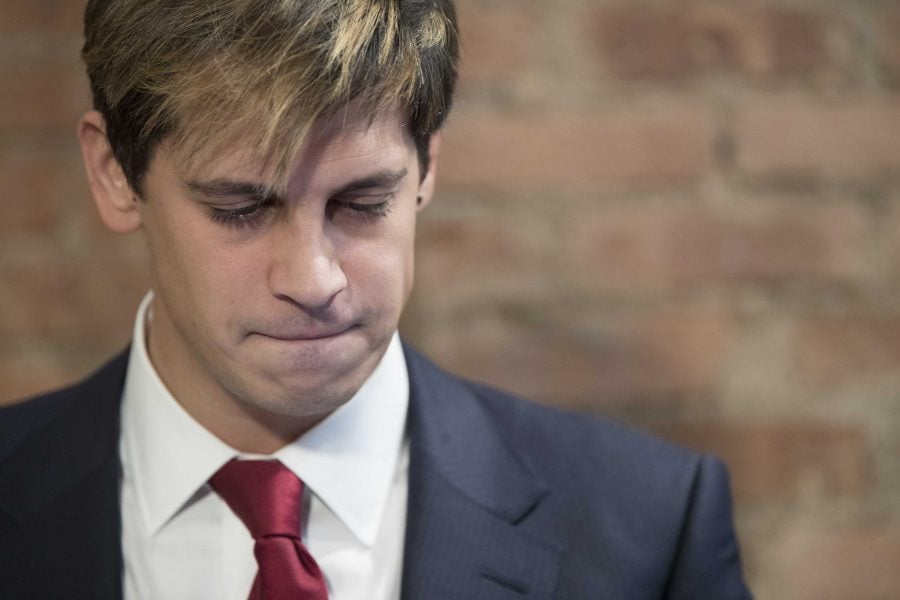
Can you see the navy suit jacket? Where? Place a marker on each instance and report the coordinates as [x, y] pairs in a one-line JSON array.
[[507, 501]]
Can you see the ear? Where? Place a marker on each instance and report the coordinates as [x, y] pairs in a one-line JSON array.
[[115, 200], [426, 188]]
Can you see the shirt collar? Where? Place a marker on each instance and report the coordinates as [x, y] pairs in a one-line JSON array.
[[348, 460]]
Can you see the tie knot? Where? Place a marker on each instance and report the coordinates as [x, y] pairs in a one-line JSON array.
[[265, 495]]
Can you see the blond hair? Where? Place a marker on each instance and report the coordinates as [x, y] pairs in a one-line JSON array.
[[209, 74]]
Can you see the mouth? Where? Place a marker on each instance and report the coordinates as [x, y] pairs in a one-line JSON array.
[[306, 335]]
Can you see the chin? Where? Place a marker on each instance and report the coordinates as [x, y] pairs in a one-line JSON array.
[[310, 394], [303, 404]]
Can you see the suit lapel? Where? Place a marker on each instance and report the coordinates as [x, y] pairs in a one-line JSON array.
[[468, 496], [65, 521]]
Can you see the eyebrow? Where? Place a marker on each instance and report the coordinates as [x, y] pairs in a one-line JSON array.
[[225, 188], [381, 179]]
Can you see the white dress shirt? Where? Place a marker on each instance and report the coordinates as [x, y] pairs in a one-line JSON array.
[[180, 540]]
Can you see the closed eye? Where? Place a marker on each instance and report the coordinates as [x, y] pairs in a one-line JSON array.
[[366, 206], [246, 216]]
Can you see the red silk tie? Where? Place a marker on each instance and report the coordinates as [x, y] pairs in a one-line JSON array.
[[266, 496]]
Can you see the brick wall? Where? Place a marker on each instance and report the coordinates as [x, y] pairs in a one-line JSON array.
[[684, 215]]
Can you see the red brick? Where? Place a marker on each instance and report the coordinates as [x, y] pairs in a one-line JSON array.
[[44, 93], [662, 360], [784, 462], [497, 40], [791, 138], [612, 149], [890, 226], [39, 299], [822, 561], [676, 40], [65, 298], [888, 43], [481, 258], [663, 246], [833, 351], [36, 180], [52, 16], [26, 376]]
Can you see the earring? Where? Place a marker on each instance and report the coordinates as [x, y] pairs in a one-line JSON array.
[[419, 200]]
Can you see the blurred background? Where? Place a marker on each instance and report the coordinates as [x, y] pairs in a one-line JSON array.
[[684, 215]]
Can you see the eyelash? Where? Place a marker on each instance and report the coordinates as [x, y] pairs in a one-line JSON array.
[[368, 212], [253, 215], [243, 217]]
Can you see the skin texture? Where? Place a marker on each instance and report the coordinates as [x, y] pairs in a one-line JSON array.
[[271, 309]]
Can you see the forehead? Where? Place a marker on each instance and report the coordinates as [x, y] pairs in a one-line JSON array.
[[346, 140], [351, 135]]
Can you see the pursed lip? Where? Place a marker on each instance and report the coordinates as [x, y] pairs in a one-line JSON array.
[[305, 335]]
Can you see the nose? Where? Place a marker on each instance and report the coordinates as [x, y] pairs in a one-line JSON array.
[[305, 268]]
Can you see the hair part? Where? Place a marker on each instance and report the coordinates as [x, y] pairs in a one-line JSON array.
[[214, 75]]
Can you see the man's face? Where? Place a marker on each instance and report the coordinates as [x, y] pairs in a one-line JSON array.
[[282, 305]]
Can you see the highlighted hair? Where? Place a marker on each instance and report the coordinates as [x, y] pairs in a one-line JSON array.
[[211, 75]]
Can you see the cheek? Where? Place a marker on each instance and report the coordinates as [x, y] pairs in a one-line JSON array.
[[202, 275], [233, 279], [383, 268]]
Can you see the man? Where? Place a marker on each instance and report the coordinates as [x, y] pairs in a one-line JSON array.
[[267, 434]]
